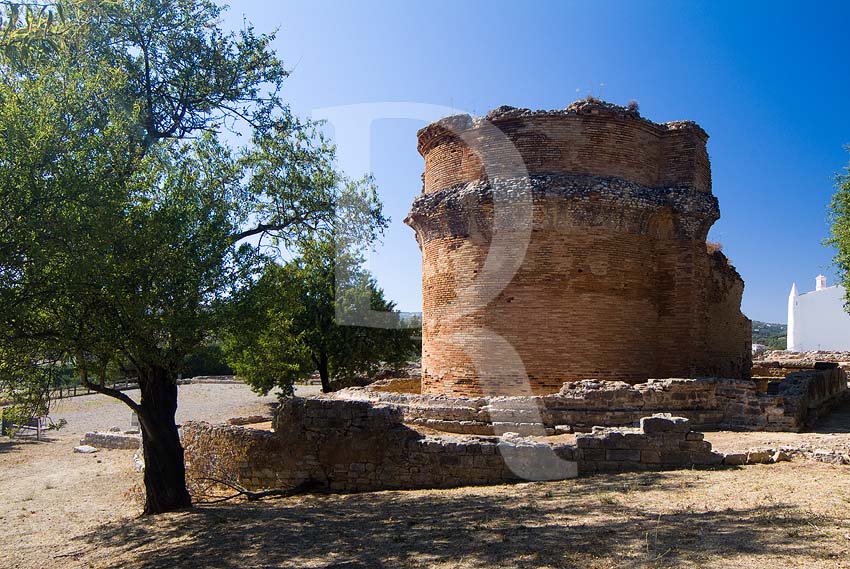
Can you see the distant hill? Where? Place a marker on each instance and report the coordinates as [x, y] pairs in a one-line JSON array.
[[771, 335]]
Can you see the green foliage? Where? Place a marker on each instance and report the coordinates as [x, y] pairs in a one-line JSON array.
[[208, 359], [772, 336], [127, 221], [116, 247], [286, 326], [839, 217]]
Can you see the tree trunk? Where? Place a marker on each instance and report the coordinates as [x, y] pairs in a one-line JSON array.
[[323, 372], [165, 472]]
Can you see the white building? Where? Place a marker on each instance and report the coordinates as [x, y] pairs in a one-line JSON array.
[[817, 320]]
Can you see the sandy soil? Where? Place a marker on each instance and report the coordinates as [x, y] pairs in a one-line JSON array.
[[789, 515], [832, 433], [196, 402], [59, 509]]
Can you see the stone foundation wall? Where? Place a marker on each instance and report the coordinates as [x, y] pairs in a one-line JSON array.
[[351, 446], [783, 405], [659, 442], [112, 440]]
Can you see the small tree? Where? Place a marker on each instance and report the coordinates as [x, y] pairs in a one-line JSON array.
[[285, 327], [839, 217]]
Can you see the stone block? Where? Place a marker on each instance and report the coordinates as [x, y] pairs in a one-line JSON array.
[[676, 457], [780, 456], [610, 466], [759, 456], [623, 455], [588, 441], [664, 424], [591, 454], [695, 446], [650, 456]]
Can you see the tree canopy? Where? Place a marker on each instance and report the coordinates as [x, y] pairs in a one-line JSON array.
[[128, 214], [839, 217], [287, 327]]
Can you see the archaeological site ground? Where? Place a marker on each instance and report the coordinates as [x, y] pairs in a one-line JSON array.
[[575, 321], [586, 395]]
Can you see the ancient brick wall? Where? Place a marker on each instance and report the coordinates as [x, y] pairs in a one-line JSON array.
[[611, 279], [787, 404], [351, 446]]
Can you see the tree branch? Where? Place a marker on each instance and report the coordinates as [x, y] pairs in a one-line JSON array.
[[252, 496], [266, 227], [115, 393]]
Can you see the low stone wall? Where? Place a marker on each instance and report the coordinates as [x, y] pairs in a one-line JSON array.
[[209, 379], [348, 446], [659, 442], [112, 440], [788, 404], [352, 446]]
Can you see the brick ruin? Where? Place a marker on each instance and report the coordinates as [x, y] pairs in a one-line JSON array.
[[388, 436], [605, 215], [369, 448], [598, 309]]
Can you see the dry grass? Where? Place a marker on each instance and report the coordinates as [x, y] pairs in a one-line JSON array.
[[59, 509], [790, 514]]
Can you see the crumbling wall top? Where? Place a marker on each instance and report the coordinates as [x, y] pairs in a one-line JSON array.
[[587, 137]]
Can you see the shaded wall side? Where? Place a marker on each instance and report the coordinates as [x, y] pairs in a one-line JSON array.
[[681, 267], [727, 333]]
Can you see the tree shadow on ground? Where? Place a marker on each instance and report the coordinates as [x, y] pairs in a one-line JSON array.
[[585, 523], [18, 443], [8, 444]]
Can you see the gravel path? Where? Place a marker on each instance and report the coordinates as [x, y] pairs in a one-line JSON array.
[[196, 402]]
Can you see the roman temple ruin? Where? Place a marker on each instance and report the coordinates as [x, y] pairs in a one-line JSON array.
[[575, 320], [577, 238]]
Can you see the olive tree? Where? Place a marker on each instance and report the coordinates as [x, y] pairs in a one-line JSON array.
[[128, 217]]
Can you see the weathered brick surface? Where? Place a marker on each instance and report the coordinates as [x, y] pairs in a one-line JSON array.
[[585, 138], [612, 279]]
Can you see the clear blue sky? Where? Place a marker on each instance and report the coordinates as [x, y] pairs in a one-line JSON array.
[[769, 82]]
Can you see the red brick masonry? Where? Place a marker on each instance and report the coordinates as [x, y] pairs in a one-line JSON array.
[[605, 215]]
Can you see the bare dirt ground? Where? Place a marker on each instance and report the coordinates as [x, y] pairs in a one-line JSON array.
[[832, 433], [196, 402], [59, 509]]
